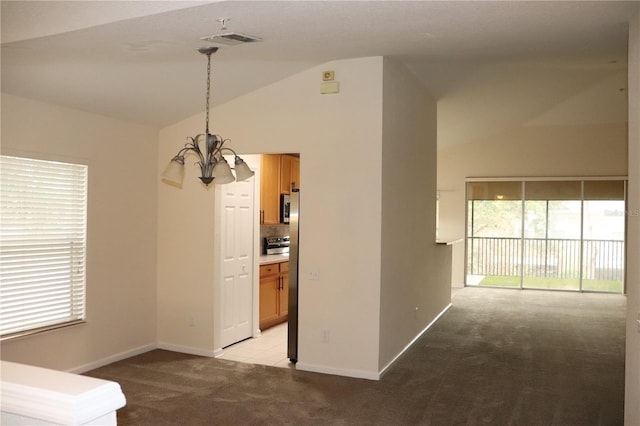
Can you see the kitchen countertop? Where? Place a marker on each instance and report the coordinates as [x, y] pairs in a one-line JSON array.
[[267, 259]]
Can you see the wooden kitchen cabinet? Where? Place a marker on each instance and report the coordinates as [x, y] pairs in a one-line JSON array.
[[269, 289], [279, 174], [289, 173], [283, 297], [269, 189], [274, 294]]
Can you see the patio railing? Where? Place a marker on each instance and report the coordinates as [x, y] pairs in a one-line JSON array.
[[550, 258]]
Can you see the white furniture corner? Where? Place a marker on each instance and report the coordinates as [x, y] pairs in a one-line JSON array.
[[39, 396]]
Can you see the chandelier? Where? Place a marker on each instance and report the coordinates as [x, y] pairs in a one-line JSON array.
[[213, 166]]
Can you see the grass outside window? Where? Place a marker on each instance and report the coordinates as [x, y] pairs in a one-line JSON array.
[[552, 283]]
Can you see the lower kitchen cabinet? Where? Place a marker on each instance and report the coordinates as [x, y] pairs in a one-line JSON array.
[[274, 294]]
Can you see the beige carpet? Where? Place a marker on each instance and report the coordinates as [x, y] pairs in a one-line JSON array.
[[497, 357]]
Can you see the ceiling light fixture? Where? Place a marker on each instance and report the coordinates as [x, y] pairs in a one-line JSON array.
[[212, 164]]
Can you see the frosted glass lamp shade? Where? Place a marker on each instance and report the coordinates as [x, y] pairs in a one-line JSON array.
[[222, 172], [243, 172], [174, 172]]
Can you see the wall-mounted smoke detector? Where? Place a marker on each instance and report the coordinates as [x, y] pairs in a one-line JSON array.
[[229, 38]]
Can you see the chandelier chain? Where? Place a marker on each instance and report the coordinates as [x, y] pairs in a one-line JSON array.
[[208, 90]]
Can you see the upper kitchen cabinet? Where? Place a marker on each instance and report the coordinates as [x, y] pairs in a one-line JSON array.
[[289, 173], [270, 189], [280, 173]]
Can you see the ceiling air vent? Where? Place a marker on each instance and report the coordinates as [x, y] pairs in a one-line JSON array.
[[231, 39]]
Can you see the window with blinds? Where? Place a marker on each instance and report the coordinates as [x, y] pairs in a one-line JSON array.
[[43, 223]]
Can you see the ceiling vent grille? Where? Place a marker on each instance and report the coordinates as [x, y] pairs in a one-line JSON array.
[[231, 39]]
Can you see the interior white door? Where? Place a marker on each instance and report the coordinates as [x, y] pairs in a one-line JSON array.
[[236, 281]]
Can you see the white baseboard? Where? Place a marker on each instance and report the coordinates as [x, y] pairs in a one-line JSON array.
[[386, 367], [113, 358], [358, 374], [188, 350], [361, 374], [140, 350]]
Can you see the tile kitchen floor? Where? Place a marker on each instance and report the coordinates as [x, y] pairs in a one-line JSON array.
[[270, 348]]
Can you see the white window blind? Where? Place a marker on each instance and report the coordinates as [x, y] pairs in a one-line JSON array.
[[43, 217]]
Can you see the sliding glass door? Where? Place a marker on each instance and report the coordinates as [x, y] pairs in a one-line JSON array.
[[494, 231], [603, 251], [552, 235], [564, 234]]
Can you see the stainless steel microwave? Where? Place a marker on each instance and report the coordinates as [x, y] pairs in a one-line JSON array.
[[285, 208]]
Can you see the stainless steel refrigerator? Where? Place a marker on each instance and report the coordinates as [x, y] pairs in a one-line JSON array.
[[294, 234]]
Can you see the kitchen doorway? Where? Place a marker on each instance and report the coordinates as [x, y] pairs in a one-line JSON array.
[[269, 340], [269, 349], [279, 219]]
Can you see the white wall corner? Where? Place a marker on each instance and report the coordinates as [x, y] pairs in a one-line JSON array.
[[406, 348], [632, 373]]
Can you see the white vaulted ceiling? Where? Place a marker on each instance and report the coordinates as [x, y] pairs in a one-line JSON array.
[[137, 60]]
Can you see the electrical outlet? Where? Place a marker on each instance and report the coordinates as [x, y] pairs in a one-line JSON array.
[[314, 275], [192, 321], [325, 336]]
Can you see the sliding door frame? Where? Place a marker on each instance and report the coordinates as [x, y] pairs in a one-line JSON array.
[[523, 181]]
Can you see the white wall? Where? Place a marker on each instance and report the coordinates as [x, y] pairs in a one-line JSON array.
[[185, 250], [339, 138], [121, 258], [632, 391], [413, 292], [547, 130]]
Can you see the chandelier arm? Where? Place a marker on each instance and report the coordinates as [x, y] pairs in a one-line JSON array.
[[228, 149], [183, 151], [222, 143]]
